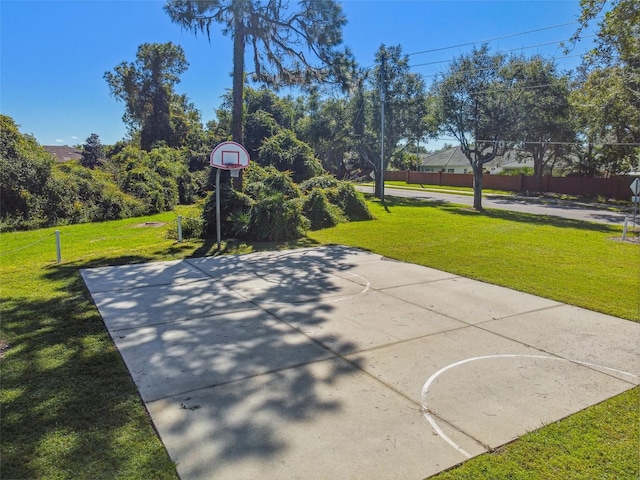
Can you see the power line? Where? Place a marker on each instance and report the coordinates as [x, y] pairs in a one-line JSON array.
[[502, 51], [492, 39], [613, 144], [486, 68]]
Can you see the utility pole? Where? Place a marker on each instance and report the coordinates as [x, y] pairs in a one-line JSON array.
[[382, 101]]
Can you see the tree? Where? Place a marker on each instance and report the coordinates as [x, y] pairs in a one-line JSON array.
[[365, 147], [405, 103], [545, 117], [474, 104], [92, 152], [325, 127], [25, 169], [608, 103], [290, 47], [146, 88]]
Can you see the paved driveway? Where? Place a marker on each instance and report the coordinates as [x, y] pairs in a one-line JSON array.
[[334, 362]]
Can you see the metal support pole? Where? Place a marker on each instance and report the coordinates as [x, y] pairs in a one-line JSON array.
[[179, 228], [382, 101], [58, 247], [624, 228], [218, 206]]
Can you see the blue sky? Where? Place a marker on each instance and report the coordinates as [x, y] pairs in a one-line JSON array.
[[54, 53]]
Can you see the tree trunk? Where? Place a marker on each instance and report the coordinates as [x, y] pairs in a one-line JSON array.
[[238, 78], [237, 114], [377, 190], [537, 170], [477, 187]]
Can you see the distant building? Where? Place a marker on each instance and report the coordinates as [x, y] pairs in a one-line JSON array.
[[453, 160], [64, 153], [448, 161]]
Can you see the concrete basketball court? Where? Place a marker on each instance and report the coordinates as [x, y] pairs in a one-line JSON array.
[[334, 362]]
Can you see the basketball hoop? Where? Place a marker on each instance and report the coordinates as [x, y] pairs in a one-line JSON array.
[[227, 156]]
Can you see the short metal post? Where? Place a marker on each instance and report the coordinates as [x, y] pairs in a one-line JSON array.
[[58, 247], [179, 228], [624, 228]]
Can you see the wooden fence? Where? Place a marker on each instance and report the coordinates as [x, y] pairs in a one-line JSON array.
[[615, 187]]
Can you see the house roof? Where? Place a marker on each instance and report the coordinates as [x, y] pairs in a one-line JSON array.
[[64, 153], [453, 157]]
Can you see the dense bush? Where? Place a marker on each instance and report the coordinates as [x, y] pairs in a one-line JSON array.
[[260, 182], [259, 126], [271, 207], [286, 153], [351, 202], [276, 218], [25, 168], [268, 208], [319, 181], [234, 208], [38, 192], [320, 212], [151, 180], [192, 227], [75, 194]]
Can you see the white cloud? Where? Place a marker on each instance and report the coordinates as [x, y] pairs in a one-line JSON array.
[[73, 137], [59, 141]]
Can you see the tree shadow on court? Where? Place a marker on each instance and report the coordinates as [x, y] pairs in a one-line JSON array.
[[69, 389]]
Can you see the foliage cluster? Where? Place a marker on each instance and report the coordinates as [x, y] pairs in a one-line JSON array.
[[39, 192], [272, 207]]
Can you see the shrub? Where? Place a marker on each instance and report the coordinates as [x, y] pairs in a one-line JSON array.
[[233, 204], [320, 212], [286, 153], [265, 181], [320, 181], [150, 176], [25, 169], [268, 208], [352, 202], [192, 227], [275, 218]]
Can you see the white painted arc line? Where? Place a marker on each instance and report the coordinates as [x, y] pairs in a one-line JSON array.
[[367, 286], [444, 436], [425, 388]]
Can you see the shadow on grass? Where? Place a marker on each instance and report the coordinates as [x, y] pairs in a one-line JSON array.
[[209, 246], [549, 220], [506, 215], [72, 409]]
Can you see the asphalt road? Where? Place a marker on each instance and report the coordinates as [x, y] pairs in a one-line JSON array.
[[559, 208]]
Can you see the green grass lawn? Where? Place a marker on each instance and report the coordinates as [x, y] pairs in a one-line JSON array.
[[71, 410], [575, 262]]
